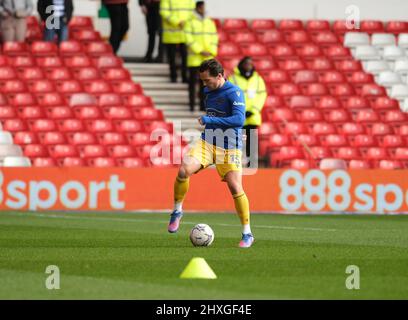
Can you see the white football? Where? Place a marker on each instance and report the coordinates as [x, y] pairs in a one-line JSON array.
[[202, 235]]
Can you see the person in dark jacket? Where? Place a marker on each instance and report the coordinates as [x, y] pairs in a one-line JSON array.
[[151, 9], [56, 14], [119, 18]]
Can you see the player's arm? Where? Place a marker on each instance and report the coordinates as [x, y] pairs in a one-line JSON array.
[[237, 118]]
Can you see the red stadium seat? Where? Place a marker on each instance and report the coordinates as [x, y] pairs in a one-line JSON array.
[[367, 116], [297, 38], [41, 86], [43, 48], [401, 154], [14, 125], [243, 37], [228, 49], [14, 86], [108, 62], [371, 26], [35, 150], [99, 125], [62, 112], [101, 162], [61, 73], [363, 141], [359, 164], [391, 141], [3, 100], [385, 103], [85, 112], [82, 99], [122, 151], [232, 25], [127, 88], [341, 26], [319, 152], [11, 48], [338, 116], [42, 125], [346, 153], [81, 138], [50, 62], [316, 89], [276, 77], [402, 130], [380, 129], [110, 99], [276, 141], [138, 100], [264, 65], [290, 24], [81, 22], [70, 125], [255, 50], [62, 151], [360, 78], [285, 155], [98, 48], [357, 103], [301, 102], [7, 112], [130, 162], [320, 64], [332, 77], [50, 99], [396, 27], [295, 128], [352, 129], [373, 90], [129, 126], [325, 38], [315, 26], [395, 117], [287, 89], [111, 138], [118, 113], [338, 52], [310, 115], [97, 87], [305, 76], [92, 151], [328, 102], [149, 114], [33, 112], [262, 25], [335, 140], [323, 129], [25, 137], [138, 139], [44, 162], [116, 74], [52, 138], [274, 102], [87, 74], [69, 86], [390, 165], [86, 35], [7, 73], [271, 38], [283, 51], [78, 61], [278, 114], [305, 139], [70, 48], [31, 73], [348, 66], [159, 125], [300, 164], [342, 90], [73, 162], [375, 153], [309, 51]]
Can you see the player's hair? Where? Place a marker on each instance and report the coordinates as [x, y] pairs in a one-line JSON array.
[[213, 67], [199, 4]]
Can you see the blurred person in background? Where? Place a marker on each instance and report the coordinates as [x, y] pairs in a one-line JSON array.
[[60, 14], [13, 14], [119, 19], [202, 44], [175, 14], [246, 77], [151, 9]]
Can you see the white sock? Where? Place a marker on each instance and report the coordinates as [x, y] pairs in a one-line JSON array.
[[178, 206], [246, 228]]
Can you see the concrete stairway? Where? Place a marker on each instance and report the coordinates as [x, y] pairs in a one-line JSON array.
[[172, 98]]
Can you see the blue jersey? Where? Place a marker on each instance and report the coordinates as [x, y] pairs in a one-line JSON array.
[[225, 117]]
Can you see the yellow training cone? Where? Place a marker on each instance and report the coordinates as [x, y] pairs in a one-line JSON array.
[[198, 268]]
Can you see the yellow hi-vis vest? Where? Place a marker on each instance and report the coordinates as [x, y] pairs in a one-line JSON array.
[[201, 35], [255, 95], [172, 13]]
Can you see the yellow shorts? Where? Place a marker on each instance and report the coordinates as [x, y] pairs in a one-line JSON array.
[[225, 160]]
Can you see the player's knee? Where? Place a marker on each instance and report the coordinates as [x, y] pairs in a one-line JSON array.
[[185, 172], [235, 187]]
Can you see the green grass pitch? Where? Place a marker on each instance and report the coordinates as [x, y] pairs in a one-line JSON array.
[[131, 256]]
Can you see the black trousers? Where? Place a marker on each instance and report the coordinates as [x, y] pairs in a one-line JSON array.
[[247, 131], [171, 55], [119, 18], [192, 86], [153, 22]]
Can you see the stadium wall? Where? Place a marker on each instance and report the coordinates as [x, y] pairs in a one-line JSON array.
[[269, 190]]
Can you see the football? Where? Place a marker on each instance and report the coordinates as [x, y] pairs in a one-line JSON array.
[[202, 235]]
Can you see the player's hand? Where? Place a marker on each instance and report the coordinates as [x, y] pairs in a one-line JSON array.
[[182, 24], [144, 9], [205, 53], [248, 114], [200, 121]]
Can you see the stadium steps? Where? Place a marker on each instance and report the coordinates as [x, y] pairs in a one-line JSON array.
[[171, 98]]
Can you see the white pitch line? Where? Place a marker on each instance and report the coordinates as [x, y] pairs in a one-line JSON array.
[[60, 216]]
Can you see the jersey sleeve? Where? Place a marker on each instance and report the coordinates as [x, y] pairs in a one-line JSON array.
[[237, 102]]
